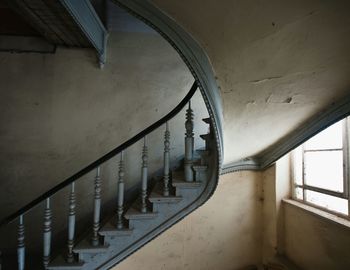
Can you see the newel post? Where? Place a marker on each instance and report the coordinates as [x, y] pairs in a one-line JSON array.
[[166, 174], [189, 144], [97, 208], [144, 176], [120, 204]]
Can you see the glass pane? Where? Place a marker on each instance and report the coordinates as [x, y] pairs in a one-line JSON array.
[[298, 166], [330, 138], [327, 201], [299, 193], [324, 169]]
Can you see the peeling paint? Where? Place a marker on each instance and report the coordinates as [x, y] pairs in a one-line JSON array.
[[265, 79]]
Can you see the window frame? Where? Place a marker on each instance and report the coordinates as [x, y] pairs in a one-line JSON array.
[[346, 174]]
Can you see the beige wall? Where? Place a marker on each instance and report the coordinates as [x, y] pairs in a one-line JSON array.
[[313, 242], [245, 223], [225, 233], [277, 63], [276, 187], [60, 112]]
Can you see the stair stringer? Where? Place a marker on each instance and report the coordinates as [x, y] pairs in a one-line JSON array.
[[163, 212], [206, 192]]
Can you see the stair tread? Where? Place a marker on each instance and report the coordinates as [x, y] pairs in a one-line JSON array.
[[60, 263], [159, 198], [133, 213], [85, 246], [178, 180], [205, 136], [199, 167], [207, 120], [110, 230], [203, 152]]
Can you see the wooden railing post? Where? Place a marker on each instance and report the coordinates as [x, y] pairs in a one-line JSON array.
[[71, 224], [189, 144], [166, 174], [21, 244], [120, 206], [97, 208], [47, 234], [144, 176]]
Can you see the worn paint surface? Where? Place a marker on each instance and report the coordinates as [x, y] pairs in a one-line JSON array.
[[276, 187], [278, 63], [225, 233], [315, 243], [60, 112]]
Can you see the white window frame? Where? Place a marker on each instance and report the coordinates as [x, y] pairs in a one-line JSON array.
[[346, 175]]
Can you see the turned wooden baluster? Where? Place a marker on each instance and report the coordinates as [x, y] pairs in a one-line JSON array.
[[120, 206], [144, 176], [189, 144], [166, 160], [20, 245], [47, 234], [71, 224], [97, 208]]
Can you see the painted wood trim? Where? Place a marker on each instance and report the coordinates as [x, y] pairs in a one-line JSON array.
[[90, 24], [334, 113], [242, 165], [192, 54], [197, 60], [101, 160]]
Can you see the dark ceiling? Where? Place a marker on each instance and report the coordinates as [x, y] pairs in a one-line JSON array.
[[13, 24]]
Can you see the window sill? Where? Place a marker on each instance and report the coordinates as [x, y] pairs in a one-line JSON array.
[[319, 213]]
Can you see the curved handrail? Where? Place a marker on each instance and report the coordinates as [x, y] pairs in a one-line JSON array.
[[101, 160]]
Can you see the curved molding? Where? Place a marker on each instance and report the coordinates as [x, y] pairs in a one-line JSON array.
[[197, 61], [192, 54], [208, 191], [248, 164], [101, 160], [334, 113]]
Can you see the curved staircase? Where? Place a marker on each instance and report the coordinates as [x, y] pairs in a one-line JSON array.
[[162, 201]]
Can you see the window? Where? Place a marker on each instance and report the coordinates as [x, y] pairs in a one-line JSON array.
[[321, 170]]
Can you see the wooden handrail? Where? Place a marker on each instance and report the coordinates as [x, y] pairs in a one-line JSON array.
[[103, 159]]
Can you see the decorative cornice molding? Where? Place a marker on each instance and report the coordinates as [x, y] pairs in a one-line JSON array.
[[334, 113], [248, 164], [337, 111]]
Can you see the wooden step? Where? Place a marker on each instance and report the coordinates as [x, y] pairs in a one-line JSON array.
[[133, 214], [110, 230], [178, 180], [60, 263], [205, 137], [203, 152], [207, 120], [200, 168], [86, 247], [157, 196]]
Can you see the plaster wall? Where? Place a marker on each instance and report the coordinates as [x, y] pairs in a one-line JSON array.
[[60, 112], [224, 233], [277, 63], [276, 187], [313, 242], [269, 232]]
